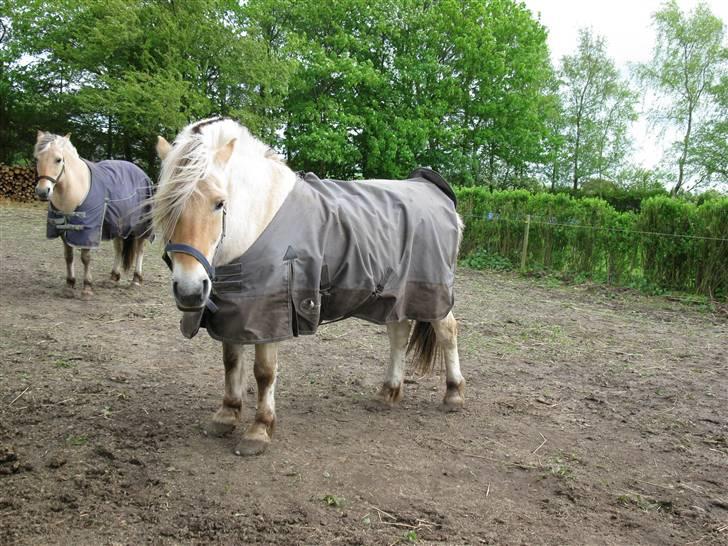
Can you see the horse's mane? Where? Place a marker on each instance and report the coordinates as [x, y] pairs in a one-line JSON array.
[[46, 139], [192, 159]]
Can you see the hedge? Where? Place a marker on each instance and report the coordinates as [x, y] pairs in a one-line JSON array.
[[669, 245]]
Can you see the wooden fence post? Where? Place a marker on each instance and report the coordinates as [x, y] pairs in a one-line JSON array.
[[525, 244]]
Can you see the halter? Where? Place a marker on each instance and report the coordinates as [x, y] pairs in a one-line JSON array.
[[55, 180], [183, 248]]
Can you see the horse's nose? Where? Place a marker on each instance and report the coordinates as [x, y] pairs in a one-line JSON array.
[[191, 297], [42, 193]]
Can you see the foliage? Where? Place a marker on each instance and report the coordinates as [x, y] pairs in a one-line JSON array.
[[598, 107], [689, 61], [588, 238], [116, 73]]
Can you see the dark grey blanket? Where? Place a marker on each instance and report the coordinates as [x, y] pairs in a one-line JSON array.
[[116, 206], [380, 250]]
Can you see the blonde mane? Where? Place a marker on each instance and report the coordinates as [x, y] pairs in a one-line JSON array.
[[46, 140], [191, 160]]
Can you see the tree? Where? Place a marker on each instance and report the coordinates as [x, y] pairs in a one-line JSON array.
[[118, 72], [688, 61], [598, 107]]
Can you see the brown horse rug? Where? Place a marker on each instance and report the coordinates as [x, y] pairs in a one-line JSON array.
[[380, 250], [116, 206]]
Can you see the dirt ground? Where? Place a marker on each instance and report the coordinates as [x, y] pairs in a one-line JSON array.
[[592, 416]]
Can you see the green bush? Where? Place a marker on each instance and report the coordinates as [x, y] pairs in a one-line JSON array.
[[589, 238]]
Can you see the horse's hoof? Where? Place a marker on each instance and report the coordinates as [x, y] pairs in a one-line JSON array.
[[389, 396], [137, 280], [454, 400], [248, 447], [87, 294], [214, 428], [68, 292], [452, 405], [115, 276]]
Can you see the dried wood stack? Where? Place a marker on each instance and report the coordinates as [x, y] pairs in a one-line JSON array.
[[17, 183]]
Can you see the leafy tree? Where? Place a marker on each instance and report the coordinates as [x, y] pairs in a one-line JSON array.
[[118, 72], [598, 107], [688, 61]]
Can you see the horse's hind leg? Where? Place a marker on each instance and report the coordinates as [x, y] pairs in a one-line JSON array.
[[70, 274], [257, 437], [446, 331], [118, 245], [138, 259], [391, 390], [87, 280], [228, 416]]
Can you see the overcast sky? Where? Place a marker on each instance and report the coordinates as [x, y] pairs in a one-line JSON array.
[[627, 27]]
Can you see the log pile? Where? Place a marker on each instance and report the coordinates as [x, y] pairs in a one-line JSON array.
[[17, 183]]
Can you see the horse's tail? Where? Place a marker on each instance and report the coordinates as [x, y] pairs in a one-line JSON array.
[[424, 347], [128, 252]]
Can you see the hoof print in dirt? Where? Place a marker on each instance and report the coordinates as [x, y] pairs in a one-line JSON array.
[[248, 448]]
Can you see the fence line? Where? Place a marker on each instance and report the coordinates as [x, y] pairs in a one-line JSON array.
[[491, 217]]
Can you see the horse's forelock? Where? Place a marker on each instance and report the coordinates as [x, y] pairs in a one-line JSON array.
[[48, 139]]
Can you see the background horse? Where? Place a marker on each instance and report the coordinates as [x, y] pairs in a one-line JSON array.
[[90, 202], [259, 255]]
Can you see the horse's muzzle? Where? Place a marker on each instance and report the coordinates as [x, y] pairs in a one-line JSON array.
[[194, 301], [43, 193]]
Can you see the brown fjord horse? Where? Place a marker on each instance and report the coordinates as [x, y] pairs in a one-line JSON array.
[[89, 202], [259, 254]]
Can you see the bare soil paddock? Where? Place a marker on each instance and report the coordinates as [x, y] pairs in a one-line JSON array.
[[592, 417]]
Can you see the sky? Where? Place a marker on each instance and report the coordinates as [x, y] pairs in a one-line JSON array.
[[627, 27]]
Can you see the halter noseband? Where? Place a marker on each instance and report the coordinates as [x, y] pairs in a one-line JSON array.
[[55, 180], [183, 248]]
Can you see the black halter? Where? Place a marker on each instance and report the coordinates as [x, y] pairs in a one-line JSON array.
[[183, 248], [55, 180]]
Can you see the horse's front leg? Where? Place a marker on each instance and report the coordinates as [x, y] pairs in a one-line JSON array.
[[138, 259], [391, 390], [116, 268], [257, 437], [446, 331], [87, 291], [228, 416], [70, 274]]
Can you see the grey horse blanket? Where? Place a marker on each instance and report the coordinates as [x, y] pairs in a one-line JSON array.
[[380, 250], [116, 206]]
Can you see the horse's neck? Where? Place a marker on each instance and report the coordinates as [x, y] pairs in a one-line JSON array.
[[252, 204], [73, 185]]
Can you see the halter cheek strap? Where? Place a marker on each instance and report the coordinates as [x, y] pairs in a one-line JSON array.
[[197, 255], [55, 180]]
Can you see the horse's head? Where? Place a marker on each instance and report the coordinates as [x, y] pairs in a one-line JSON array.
[[189, 213], [50, 153]]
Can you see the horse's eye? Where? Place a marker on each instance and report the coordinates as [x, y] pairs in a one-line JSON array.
[[58, 160], [219, 205]]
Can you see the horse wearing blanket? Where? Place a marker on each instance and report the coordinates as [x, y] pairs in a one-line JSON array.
[[90, 202], [259, 255]]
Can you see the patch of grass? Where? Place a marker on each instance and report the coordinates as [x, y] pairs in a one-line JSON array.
[[411, 536], [482, 259], [77, 440], [645, 504], [333, 500], [63, 364]]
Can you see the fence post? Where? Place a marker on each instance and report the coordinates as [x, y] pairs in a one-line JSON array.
[[524, 253]]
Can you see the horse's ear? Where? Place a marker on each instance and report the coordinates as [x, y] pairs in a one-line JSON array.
[[222, 156], [39, 135], [163, 147], [68, 137]]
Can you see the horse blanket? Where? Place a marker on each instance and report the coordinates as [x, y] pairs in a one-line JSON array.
[[116, 206], [380, 250]]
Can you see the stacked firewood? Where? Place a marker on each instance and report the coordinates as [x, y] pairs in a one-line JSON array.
[[17, 183]]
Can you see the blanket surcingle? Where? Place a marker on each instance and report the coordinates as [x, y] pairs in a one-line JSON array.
[[380, 250], [116, 206]]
